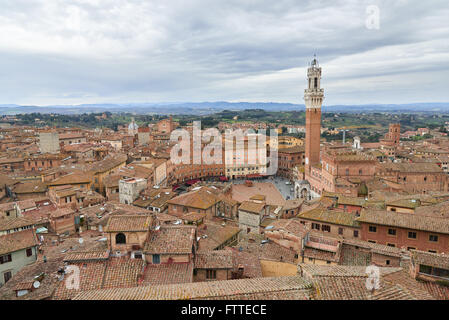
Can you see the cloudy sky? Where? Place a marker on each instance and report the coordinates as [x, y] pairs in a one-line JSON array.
[[97, 51]]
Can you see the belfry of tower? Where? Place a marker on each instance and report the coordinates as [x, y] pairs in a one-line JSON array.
[[313, 97]]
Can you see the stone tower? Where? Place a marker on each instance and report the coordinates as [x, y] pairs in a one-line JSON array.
[[49, 141], [313, 97], [394, 133]]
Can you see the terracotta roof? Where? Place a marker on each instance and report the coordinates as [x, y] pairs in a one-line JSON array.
[[111, 181], [411, 167], [293, 226], [17, 241], [8, 206], [171, 239], [241, 192], [430, 259], [201, 199], [404, 203], [294, 149], [168, 273], [108, 163], [27, 275], [127, 223], [313, 253], [438, 210], [217, 234], [30, 187], [404, 220], [5, 180], [292, 204], [193, 216], [215, 259], [375, 247], [71, 135], [12, 223], [331, 216], [252, 207], [84, 256], [315, 270], [26, 204], [226, 289], [71, 178], [249, 261], [351, 201], [116, 272], [275, 252], [61, 212]]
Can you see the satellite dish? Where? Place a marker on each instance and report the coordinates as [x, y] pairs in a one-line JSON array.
[[81, 240], [36, 284]]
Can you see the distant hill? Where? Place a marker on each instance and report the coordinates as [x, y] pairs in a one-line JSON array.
[[203, 108]]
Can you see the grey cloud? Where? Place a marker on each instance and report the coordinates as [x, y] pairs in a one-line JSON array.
[[119, 51]]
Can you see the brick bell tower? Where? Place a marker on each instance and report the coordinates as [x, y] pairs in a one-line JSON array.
[[313, 97]]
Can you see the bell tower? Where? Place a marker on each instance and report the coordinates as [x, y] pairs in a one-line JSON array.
[[313, 97]]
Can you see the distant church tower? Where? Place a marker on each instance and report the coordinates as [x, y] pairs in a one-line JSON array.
[[313, 97]]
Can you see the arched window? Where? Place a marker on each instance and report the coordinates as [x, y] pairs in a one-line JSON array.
[[120, 238], [316, 83]]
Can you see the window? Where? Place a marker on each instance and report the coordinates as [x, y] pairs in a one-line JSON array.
[[411, 235], [433, 251], [433, 238], [433, 271], [372, 229], [356, 233], [387, 262], [29, 252], [120, 238], [5, 258], [156, 259], [315, 226], [371, 241], [391, 232], [411, 248], [211, 274], [326, 228], [137, 255], [391, 245], [7, 276], [340, 230]]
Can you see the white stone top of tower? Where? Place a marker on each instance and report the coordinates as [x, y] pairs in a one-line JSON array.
[[314, 94]]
